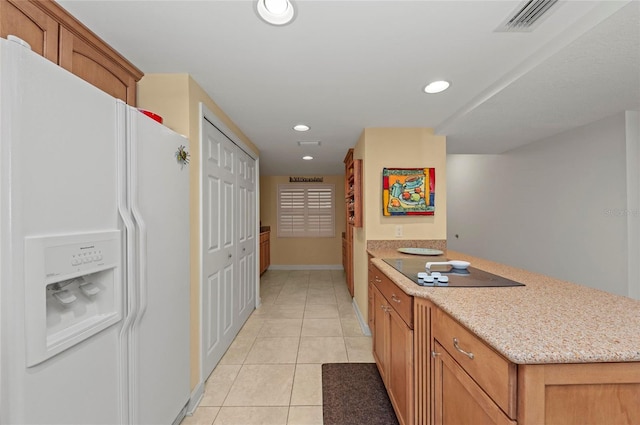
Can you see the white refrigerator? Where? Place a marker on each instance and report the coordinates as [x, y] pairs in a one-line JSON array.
[[94, 253]]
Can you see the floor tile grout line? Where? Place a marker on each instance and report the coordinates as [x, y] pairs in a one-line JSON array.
[[305, 315]]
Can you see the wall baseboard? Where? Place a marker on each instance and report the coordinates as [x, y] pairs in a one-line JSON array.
[[306, 267], [196, 397], [363, 323]]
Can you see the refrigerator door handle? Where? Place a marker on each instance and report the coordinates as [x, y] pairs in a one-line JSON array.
[[141, 234], [140, 276], [124, 210]]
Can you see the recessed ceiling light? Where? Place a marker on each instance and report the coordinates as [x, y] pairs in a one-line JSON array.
[[301, 127], [307, 158], [275, 12], [436, 87]]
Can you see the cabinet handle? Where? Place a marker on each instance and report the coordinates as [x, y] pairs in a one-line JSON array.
[[457, 347], [377, 279], [395, 299], [434, 354]]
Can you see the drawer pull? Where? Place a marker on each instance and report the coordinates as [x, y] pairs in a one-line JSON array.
[[377, 279], [395, 299], [434, 354], [457, 347]]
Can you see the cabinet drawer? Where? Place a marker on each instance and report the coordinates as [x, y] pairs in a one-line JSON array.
[[458, 399], [496, 375], [396, 297]]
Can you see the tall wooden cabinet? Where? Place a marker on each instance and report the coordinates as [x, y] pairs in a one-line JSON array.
[[353, 208], [53, 33], [265, 250]]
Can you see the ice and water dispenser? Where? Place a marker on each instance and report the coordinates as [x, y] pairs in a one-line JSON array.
[[73, 290]]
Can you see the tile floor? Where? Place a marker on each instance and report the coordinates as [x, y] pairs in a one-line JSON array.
[[271, 374]]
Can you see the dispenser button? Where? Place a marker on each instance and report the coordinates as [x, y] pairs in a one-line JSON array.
[[89, 289], [65, 297]]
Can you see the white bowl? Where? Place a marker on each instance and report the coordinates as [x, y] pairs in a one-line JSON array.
[[458, 264]]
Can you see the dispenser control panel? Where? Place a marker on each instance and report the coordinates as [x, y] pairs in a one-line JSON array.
[[71, 257]]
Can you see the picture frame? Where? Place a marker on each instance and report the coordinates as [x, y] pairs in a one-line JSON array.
[[408, 191]]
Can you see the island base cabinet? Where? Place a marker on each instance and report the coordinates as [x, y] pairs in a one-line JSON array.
[[579, 394], [458, 399]]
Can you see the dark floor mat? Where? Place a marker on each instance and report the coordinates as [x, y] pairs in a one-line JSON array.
[[353, 394]]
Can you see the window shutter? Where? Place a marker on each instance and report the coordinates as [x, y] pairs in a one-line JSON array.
[[306, 210]]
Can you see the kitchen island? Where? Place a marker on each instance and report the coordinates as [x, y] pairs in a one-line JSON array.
[[550, 351]]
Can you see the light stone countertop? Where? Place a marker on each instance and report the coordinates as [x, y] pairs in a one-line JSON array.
[[546, 321]]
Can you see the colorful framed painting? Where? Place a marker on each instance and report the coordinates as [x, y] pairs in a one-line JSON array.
[[408, 191]]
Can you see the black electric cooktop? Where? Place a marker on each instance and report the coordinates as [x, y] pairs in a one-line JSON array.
[[468, 278]]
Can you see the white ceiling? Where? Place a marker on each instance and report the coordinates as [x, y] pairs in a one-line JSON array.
[[342, 66]]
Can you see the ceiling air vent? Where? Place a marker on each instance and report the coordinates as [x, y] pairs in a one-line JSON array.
[[526, 16], [309, 143]]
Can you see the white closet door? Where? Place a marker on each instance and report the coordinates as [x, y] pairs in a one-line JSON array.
[[220, 290], [246, 234]]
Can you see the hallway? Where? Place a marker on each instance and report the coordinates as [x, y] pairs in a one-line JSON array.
[[271, 374]]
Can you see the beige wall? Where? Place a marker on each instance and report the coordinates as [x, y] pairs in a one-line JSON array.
[[177, 97], [301, 251], [396, 148]]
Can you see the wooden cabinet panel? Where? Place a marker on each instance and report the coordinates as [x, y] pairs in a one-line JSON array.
[[423, 377], [393, 352], [379, 333], [370, 318], [458, 398], [495, 374], [25, 20], [344, 251], [348, 269], [88, 63], [265, 251], [400, 376], [577, 394]]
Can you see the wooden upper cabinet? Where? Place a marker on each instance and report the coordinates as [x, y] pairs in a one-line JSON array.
[[90, 64], [26, 20], [53, 33]]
